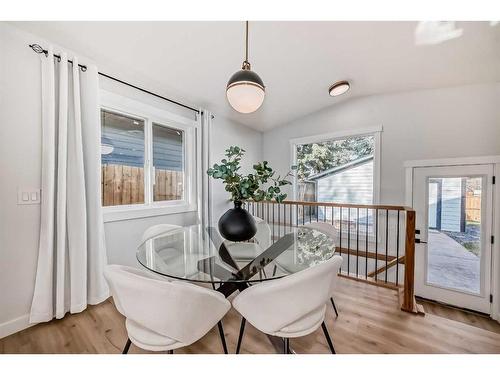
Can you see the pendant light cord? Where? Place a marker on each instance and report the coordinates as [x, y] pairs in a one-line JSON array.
[[246, 64], [246, 43]]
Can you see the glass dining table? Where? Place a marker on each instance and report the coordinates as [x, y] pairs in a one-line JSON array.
[[199, 254]]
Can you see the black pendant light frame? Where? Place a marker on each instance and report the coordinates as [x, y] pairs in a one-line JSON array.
[[245, 75]]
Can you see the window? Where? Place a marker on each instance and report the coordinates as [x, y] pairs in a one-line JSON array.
[[122, 159], [339, 168], [336, 170], [168, 163], [147, 160]]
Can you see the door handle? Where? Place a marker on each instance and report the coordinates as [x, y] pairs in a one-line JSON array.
[[417, 240]]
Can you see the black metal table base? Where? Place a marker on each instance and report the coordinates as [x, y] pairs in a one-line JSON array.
[[240, 281]]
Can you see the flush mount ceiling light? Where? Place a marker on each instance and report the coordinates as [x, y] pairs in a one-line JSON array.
[[339, 88], [245, 90]]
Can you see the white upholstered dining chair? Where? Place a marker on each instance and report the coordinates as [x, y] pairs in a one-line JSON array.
[[293, 306], [163, 315], [157, 230], [171, 255], [331, 232]]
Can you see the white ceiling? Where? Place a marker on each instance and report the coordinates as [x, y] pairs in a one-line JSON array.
[[298, 61]]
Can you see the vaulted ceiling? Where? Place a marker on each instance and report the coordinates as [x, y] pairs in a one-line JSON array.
[[298, 61]]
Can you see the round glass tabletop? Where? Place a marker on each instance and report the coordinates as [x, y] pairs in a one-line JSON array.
[[199, 254]]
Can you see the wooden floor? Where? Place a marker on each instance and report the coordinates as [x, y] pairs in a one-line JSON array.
[[470, 318], [370, 321]]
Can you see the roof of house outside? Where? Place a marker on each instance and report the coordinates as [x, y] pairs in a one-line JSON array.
[[341, 168]]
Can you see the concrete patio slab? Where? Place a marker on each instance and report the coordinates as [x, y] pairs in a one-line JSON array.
[[450, 265]]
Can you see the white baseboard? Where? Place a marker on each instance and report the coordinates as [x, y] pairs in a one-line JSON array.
[[18, 324], [14, 325]]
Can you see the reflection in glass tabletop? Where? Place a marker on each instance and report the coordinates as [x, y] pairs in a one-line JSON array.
[[199, 254]]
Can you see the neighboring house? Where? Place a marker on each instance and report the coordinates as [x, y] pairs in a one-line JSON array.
[[348, 183], [121, 144], [447, 204]]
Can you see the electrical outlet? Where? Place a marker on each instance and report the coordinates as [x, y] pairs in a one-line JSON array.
[[28, 196]]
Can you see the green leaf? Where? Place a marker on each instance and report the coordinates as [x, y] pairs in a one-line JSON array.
[[251, 185], [280, 198]]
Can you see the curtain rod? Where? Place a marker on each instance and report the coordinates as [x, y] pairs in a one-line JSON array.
[[38, 49]]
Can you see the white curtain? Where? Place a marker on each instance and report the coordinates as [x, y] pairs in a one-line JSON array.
[[205, 203], [71, 254]]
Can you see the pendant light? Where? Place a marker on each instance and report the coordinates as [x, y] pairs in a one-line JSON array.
[[245, 90]]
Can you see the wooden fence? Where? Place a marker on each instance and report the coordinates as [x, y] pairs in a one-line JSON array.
[[168, 185], [473, 207], [122, 184]]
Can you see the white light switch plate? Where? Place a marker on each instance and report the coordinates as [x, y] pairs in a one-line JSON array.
[[28, 196]]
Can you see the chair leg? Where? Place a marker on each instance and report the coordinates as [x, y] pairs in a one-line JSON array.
[[328, 339], [222, 337], [127, 346], [240, 337], [286, 345], [274, 270], [334, 307]]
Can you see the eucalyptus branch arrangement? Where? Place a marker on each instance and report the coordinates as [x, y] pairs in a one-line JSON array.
[[250, 186]]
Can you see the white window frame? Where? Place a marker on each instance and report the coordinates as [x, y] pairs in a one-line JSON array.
[[374, 131], [152, 115]]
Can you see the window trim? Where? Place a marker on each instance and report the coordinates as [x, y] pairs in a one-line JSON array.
[[152, 115], [374, 131]]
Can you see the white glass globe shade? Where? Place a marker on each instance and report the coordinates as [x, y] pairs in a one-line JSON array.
[[245, 97]]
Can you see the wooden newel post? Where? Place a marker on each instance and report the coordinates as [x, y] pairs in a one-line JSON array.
[[409, 283]]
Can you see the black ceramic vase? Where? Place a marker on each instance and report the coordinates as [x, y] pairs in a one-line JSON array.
[[237, 224]]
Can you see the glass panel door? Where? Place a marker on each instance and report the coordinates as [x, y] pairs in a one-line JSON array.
[[454, 235], [454, 211]]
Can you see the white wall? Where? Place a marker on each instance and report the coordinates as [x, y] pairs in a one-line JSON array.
[[224, 134], [20, 165], [426, 124]]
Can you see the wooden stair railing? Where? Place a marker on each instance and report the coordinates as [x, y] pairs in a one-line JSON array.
[[363, 254], [384, 268], [373, 236], [409, 303]]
